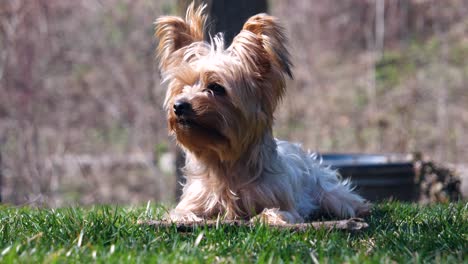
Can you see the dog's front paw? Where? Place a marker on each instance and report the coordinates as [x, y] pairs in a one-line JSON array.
[[183, 216], [274, 216]]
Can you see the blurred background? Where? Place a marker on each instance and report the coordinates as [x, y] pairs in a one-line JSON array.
[[81, 119]]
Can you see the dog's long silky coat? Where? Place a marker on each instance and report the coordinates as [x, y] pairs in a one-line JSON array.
[[220, 104]]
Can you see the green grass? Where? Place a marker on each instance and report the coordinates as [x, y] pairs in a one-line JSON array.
[[398, 232]]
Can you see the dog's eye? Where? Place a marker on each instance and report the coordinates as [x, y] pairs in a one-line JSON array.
[[216, 89]]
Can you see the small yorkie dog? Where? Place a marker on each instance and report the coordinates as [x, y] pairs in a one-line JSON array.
[[220, 104]]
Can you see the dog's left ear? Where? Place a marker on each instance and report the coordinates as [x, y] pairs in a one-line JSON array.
[[175, 33], [261, 47], [263, 39]]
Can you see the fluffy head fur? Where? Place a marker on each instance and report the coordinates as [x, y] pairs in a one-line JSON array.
[[220, 104]]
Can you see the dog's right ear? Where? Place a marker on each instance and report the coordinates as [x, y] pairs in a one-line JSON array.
[[174, 33]]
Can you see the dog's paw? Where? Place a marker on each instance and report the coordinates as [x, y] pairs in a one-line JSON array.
[[183, 216], [274, 216]]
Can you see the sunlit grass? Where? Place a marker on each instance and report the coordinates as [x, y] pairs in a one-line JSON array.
[[398, 232]]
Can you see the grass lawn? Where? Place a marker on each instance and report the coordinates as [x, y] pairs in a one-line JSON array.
[[398, 232]]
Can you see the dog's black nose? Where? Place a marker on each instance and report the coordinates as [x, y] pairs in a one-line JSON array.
[[182, 107]]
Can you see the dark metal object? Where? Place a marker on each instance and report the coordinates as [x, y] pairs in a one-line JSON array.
[[377, 177]]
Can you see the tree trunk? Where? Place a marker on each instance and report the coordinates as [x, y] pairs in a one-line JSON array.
[[1, 176], [229, 16]]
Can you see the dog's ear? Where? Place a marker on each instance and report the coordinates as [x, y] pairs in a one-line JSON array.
[[261, 47], [175, 33], [263, 39]]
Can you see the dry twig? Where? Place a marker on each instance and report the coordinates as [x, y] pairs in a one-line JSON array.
[[352, 224]]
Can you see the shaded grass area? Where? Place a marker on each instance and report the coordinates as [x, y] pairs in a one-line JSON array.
[[398, 232]]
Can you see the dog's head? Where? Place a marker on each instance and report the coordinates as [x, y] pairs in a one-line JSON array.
[[221, 100]]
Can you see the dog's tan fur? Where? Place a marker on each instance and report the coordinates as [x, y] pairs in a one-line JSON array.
[[234, 166]]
